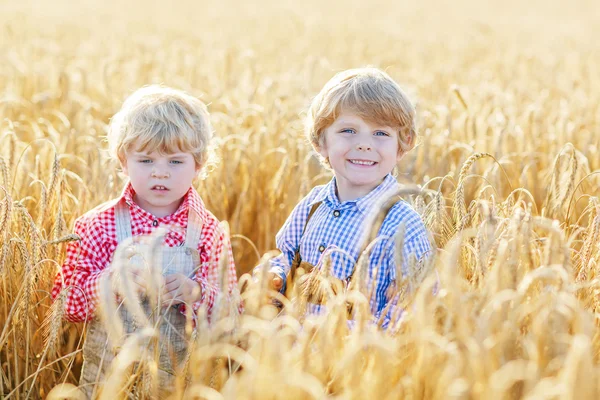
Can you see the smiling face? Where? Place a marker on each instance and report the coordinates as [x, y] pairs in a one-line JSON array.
[[160, 181], [361, 153]]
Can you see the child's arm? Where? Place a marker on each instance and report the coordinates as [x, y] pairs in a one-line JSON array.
[[85, 264], [416, 245], [281, 264], [288, 240]]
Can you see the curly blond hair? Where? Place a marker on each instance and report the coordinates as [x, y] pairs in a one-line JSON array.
[[162, 119]]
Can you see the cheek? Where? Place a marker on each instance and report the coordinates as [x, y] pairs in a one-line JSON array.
[[185, 174], [136, 170], [340, 148], [389, 152]]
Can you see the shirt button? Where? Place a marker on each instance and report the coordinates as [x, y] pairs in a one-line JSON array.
[[188, 251], [321, 248], [336, 213], [155, 223]]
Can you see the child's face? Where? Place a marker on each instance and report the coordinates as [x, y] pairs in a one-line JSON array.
[[361, 154], [160, 181]]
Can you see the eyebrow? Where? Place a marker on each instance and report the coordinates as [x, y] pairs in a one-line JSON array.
[[346, 122], [145, 154], [352, 124]]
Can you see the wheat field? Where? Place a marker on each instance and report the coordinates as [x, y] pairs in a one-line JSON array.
[[508, 171]]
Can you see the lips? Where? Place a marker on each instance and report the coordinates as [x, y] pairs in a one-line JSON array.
[[159, 188]]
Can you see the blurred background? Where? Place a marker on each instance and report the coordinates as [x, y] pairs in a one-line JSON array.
[[517, 80]]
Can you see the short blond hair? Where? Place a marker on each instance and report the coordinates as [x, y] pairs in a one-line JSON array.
[[371, 94], [162, 119]]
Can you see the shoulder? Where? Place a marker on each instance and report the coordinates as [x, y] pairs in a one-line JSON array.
[[210, 222], [402, 214], [96, 228], [207, 219], [100, 211], [294, 225], [98, 217], [213, 232], [316, 195], [300, 212]]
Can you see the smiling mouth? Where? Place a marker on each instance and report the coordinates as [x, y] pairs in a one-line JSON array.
[[159, 188], [363, 162]]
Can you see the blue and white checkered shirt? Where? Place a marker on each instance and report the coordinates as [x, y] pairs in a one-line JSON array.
[[345, 226]]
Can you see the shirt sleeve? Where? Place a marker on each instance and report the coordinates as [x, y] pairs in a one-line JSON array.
[[418, 246], [85, 263], [288, 237], [215, 255]]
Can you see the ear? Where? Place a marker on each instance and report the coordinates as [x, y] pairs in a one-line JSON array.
[[323, 151], [124, 167], [321, 148]]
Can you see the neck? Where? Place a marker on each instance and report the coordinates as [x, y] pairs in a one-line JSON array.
[[348, 193], [158, 212]]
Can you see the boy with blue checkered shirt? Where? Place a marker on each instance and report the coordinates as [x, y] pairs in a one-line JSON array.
[[360, 124]]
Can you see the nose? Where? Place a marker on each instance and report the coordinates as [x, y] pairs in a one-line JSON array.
[[160, 173], [363, 147]]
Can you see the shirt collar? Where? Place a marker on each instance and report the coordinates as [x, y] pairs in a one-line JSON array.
[[191, 201], [363, 204], [322, 195]]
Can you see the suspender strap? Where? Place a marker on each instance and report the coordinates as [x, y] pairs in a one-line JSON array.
[[375, 227], [310, 214], [297, 259], [194, 229], [123, 222]]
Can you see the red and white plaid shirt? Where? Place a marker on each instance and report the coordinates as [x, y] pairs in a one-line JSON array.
[[89, 258]]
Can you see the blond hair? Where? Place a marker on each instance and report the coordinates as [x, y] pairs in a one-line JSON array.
[[372, 95], [162, 119]]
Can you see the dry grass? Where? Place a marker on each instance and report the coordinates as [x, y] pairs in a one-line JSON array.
[[508, 101]]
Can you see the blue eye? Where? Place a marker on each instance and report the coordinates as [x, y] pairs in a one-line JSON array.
[[145, 161], [347, 131], [176, 162], [381, 133]]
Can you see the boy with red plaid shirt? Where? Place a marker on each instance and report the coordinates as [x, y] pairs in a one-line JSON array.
[[161, 139]]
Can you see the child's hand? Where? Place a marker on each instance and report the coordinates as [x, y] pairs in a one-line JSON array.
[[136, 276], [275, 281], [180, 289]]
